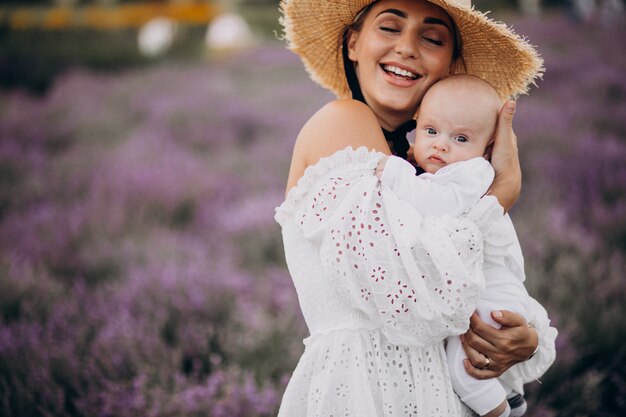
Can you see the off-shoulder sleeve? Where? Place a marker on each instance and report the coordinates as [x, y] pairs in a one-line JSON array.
[[451, 190], [418, 278]]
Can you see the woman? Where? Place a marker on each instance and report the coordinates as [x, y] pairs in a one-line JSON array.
[[363, 358]]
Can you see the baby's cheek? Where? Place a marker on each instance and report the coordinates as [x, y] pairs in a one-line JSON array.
[[417, 151]]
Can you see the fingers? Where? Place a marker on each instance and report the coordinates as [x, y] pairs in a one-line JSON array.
[[482, 329], [479, 365], [509, 109], [508, 318], [474, 355], [504, 347], [489, 341], [518, 340], [492, 372], [505, 139], [505, 118], [505, 159]]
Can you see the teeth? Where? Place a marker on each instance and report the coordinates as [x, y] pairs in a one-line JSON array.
[[399, 71]]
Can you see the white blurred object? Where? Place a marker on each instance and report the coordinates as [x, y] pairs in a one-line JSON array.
[[612, 11], [530, 7], [227, 32], [156, 36], [584, 9]]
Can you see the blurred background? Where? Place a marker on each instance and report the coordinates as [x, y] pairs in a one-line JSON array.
[[143, 148]]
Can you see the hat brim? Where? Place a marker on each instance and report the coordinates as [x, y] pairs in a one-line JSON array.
[[490, 50]]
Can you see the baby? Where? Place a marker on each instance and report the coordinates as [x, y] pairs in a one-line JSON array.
[[455, 127]]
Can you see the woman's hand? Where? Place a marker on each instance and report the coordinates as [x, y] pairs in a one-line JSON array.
[[505, 159], [499, 348]]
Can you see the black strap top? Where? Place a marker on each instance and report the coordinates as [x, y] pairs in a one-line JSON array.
[[397, 137]]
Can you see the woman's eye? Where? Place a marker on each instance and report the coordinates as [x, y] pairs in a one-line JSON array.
[[434, 37], [389, 29], [433, 41], [431, 131], [461, 139]]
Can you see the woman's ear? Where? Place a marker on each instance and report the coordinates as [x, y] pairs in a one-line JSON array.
[[352, 40]]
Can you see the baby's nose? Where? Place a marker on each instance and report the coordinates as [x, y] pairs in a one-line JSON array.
[[441, 145]]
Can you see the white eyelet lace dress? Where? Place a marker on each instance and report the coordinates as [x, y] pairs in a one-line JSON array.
[[380, 288]]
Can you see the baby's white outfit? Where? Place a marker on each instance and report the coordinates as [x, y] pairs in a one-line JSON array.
[[452, 191], [380, 294]]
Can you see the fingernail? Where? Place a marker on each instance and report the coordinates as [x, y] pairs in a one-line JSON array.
[[511, 105], [497, 314]]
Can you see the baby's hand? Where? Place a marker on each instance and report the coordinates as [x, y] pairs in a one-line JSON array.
[[381, 167]]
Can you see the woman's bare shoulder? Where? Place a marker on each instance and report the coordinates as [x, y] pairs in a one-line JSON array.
[[337, 125]]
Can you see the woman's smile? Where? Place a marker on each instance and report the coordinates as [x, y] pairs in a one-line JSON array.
[[397, 71], [399, 75]]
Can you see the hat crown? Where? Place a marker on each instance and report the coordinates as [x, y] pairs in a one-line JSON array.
[[461, 3]]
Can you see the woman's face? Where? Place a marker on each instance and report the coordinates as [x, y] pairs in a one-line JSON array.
[[403, 47]]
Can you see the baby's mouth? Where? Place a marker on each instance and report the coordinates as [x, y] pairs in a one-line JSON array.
[[436, 159], [399, 72]]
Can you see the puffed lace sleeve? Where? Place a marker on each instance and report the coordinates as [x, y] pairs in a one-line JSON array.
[[452, 190], [418, 278]]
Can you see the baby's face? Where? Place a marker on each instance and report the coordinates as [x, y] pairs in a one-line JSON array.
[[453, 125]]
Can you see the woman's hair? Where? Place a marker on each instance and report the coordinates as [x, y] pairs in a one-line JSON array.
[[360, 18]]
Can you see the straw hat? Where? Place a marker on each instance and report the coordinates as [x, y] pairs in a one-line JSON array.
[[490, 50]]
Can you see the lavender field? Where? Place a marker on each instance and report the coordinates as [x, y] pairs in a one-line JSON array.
[[142, 274]]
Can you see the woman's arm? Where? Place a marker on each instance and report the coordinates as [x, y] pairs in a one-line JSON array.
[[507, 184]]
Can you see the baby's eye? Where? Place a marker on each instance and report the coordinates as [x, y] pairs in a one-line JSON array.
[[431, 131], [461, 138]]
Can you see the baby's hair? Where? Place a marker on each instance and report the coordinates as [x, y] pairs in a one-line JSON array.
[[471, 84]]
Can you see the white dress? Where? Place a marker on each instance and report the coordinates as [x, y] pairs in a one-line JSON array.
[[378, 298], [453, 190]]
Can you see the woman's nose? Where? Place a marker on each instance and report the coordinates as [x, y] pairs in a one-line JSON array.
[[406, 46]]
